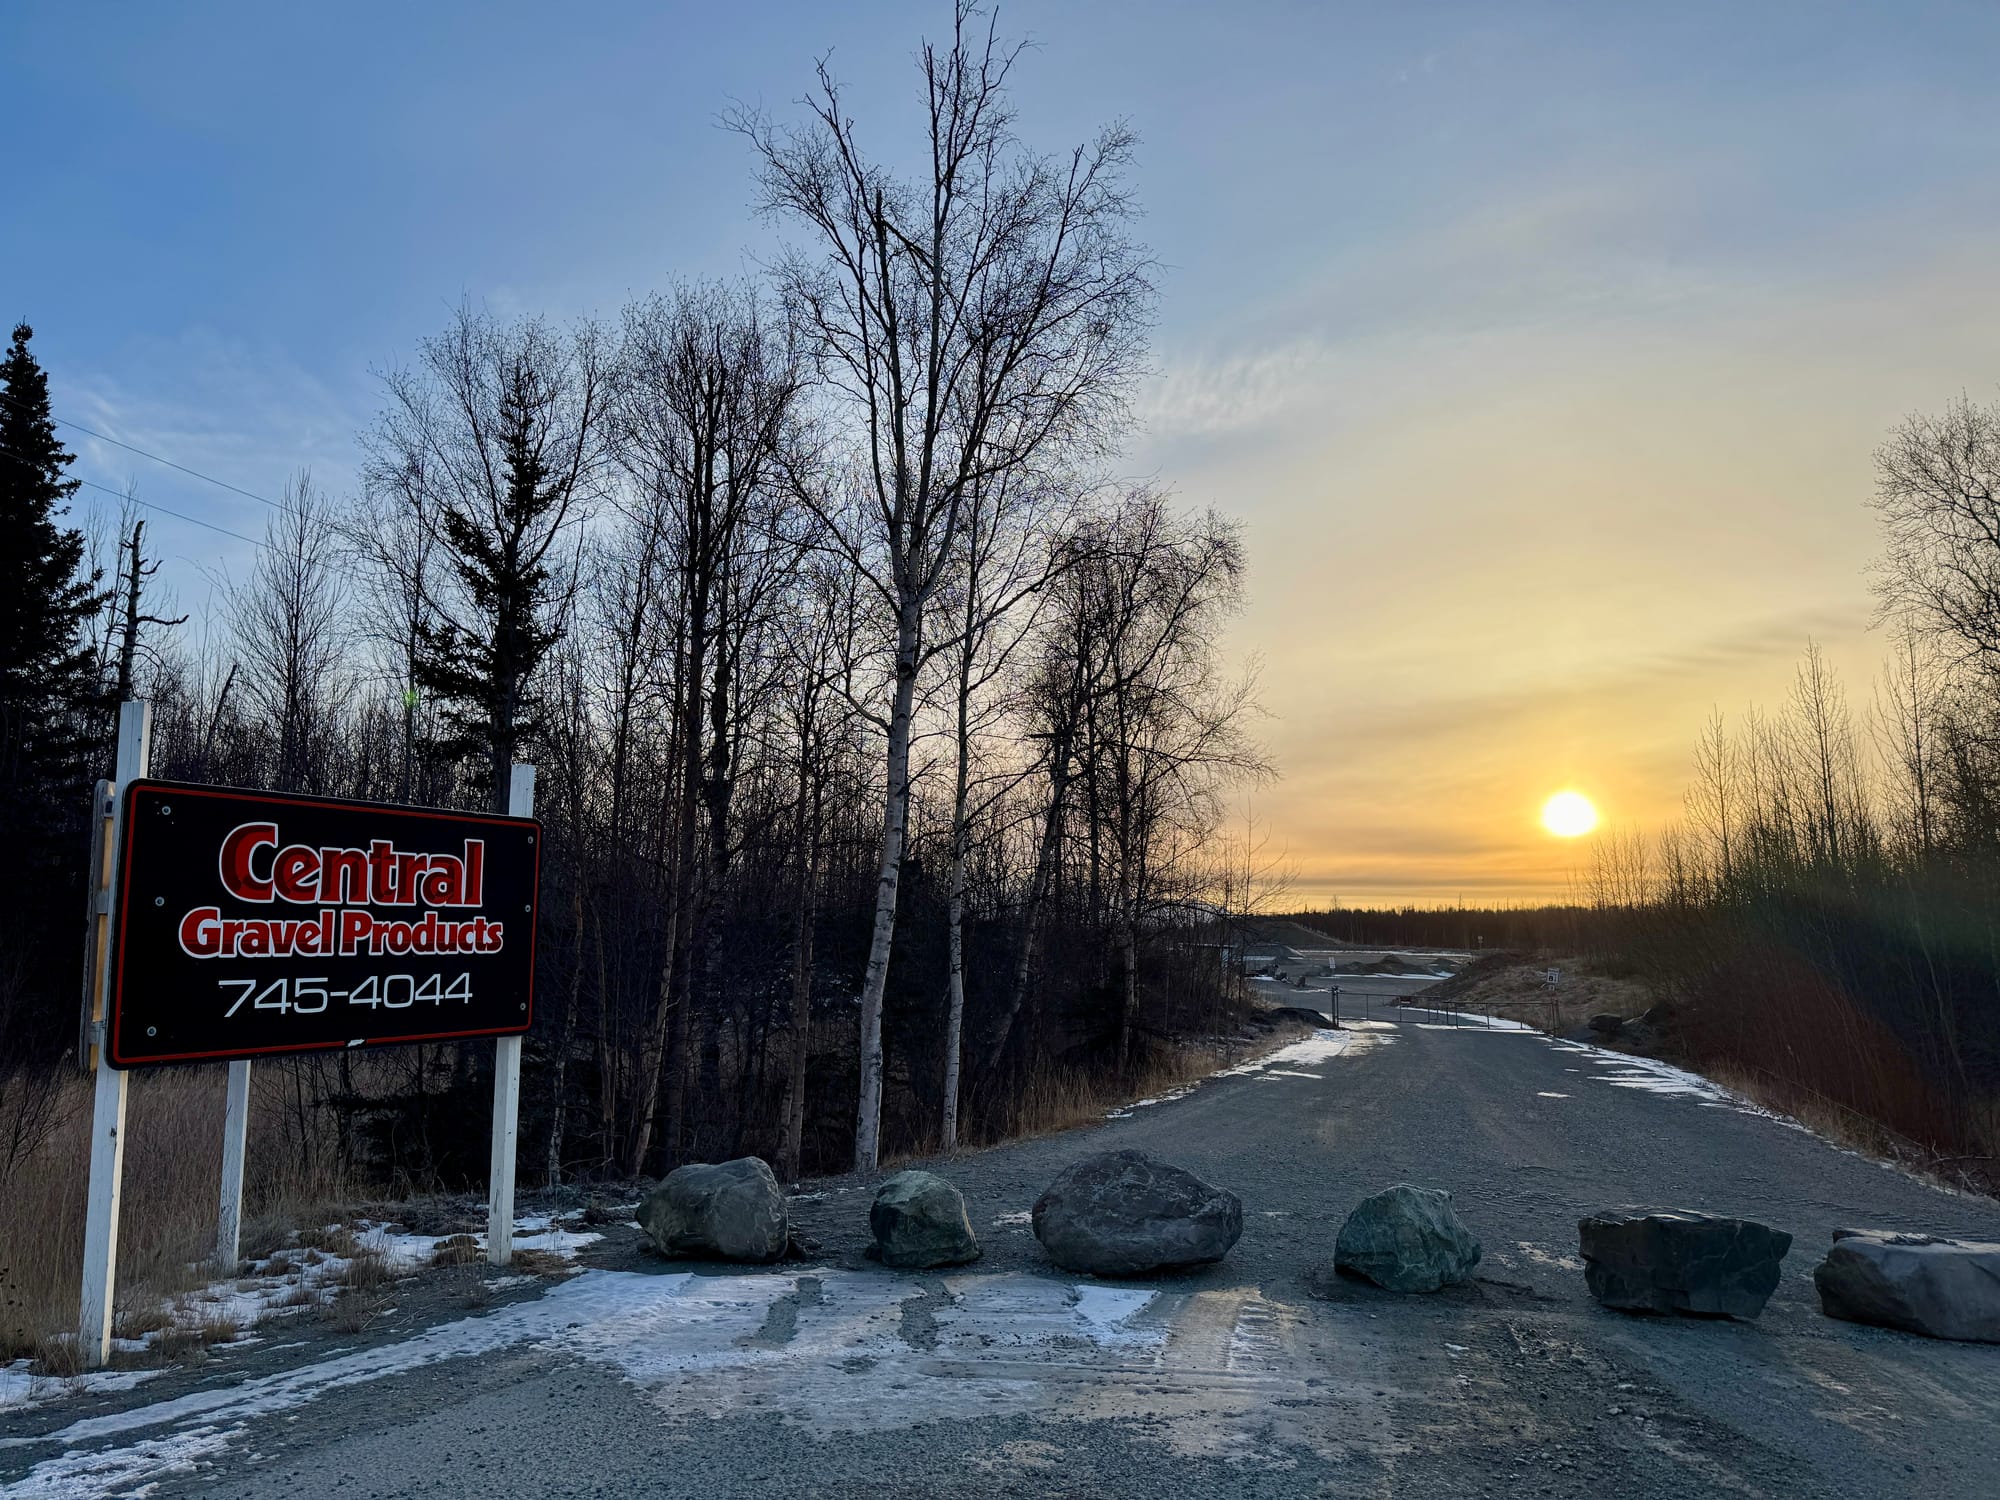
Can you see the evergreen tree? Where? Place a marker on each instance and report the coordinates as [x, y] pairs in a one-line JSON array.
[[50, 702], [480, 667]]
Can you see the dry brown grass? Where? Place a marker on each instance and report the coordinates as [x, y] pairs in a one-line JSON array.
[[1976, 1172], [137, 1322], [327, 1239], [457, 1250], [1517, 992], [355, 1310], [1066, 1098], [171, 1183], [57, 1356], [366, 1271], [540, 1263]]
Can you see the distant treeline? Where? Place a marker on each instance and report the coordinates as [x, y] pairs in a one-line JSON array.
[[1468, 927], [882, 738]]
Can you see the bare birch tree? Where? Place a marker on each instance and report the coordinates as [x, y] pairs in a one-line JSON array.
[[970, 320], [1004, 563], [289, 619]]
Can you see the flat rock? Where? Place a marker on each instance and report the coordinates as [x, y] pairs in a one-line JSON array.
[[1691, 1263], [1943, 1289], [734, 1210], [919, 1221], [1407, 1239], [1122, 1213]]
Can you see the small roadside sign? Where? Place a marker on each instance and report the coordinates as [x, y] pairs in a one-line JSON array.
[[253, 923]]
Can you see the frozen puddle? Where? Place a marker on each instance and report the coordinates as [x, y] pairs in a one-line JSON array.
[[829, 1351]]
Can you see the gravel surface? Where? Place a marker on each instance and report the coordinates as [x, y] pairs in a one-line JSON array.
[[1263, 1375]]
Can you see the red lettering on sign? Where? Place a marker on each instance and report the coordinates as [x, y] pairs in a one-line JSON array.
[[201, 932], [444, 882], [295, 874], [408, 868], [242, 842], [343, 876], [381, 873]]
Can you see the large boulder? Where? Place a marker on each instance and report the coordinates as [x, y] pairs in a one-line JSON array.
[[1946, 1289], [1121, 1213], [731, 1211], [920, 1221], [1407, 1239], [1691, 1263]]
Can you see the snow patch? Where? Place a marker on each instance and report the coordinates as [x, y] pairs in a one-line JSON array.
[[1626, 1070], [1542, 1257], [1289, 1061], [277, 1286], [1004, 1342], [86, 1476]]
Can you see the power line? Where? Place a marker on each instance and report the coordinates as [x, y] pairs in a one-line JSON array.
[[163, 510], [149, 504], [129, 448]]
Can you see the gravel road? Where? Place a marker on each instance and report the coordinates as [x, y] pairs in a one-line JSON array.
[[1262, 1376]]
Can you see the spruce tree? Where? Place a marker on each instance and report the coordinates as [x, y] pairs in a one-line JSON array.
[[50, 703], [481, 668]]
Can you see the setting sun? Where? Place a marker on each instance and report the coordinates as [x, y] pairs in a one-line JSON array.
[[1569, 815]]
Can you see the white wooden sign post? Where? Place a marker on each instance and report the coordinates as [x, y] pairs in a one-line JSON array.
[[107, 1121], [506, 1087], [235, 1136]]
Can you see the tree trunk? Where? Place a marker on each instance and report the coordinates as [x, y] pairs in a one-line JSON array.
[[895, 821], [792, 1144], [566, 1032], [1038, 890], [954, 1024]]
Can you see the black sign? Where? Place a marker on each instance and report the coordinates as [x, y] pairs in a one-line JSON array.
[[254, 922]]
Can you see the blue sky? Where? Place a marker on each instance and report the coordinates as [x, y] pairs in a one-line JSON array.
[[1540, 348]]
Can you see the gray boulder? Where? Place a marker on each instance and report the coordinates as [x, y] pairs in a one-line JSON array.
[[920, 1221], [1945, 1289], [1691, 1263], [731, 1211], [1606, 1024], [1121, 1213], [1407, 1239]]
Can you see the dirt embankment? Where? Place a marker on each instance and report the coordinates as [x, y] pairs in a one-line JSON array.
[[1517, 986]]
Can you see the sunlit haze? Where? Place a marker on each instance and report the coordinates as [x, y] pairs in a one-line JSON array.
[[1539, 349]]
